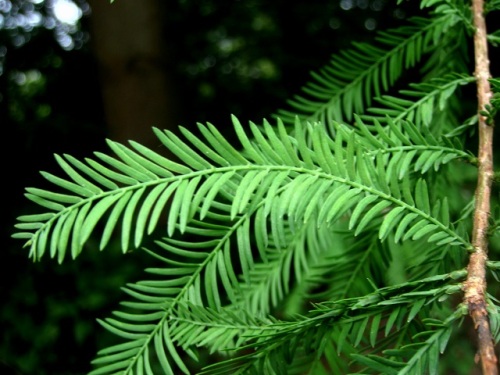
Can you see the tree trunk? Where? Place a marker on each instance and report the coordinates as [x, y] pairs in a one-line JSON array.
[[128, 42]]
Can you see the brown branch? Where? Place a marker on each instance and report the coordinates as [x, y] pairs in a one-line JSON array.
[[475, 285]]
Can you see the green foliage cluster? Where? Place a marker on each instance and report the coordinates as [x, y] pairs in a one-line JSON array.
[[332, 239]]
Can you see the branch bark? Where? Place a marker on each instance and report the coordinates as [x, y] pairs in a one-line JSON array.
[[475, 285]]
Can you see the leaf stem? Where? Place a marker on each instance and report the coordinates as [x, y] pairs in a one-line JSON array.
[[475, 285]]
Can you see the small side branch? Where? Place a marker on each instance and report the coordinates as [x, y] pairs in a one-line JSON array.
[[475, 285]]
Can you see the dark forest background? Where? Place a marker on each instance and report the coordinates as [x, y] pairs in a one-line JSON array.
[[116, 70]]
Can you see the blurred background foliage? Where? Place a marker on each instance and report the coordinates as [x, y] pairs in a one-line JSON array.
[[217, 58]]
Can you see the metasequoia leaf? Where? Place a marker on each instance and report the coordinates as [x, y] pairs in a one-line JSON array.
[[175, 205], [201, 193], [44, 202], [350, 158], [419, 107], [381, 131], [400, 231], [346, 328], [370, 215], [369, 199], [64, 236], [246, 187], [212, 193], [374, 329], [172, 351], [338, 150], [160, 351], [277, 225], [278, 145], [75, 188], [336, 194], [360, 328], [314, 201], [342, 204], [114, 218], [132, 159], [155, 290], [406, 191], [120, 332], [364, 168], [306, 190], [246, 143], [422, 196], [390, 221], [39, 244], [119, 177], [381, 174], [76, 245], [405, 163], [381, 66], [290, 147], [75, 176], [202, 147], [292, 191], [395, 129], [226, 272], [56, 231], [30, 226], [221, 145], [121, 347], [322, 151], [114, 358], [367, 134], [444, 214], [270, 153], [130, 327], [48, 196], [135, 174], [423, 231], [138, 318], [36, 217], [181, 150], [158, 159], [107, 183], [417, 305], [374, 363], [95, 215], [433, 161], [244, 248], [128, 217], [438, 236], [144, 212], [304, 151], [111, 368], [392, 319], [253, 186], [273, 191]]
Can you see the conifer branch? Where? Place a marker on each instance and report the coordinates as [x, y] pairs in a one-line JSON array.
[[475, 285], [348, 217]]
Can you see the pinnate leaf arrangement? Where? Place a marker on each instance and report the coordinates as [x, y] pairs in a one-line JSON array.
[[340, 236]]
